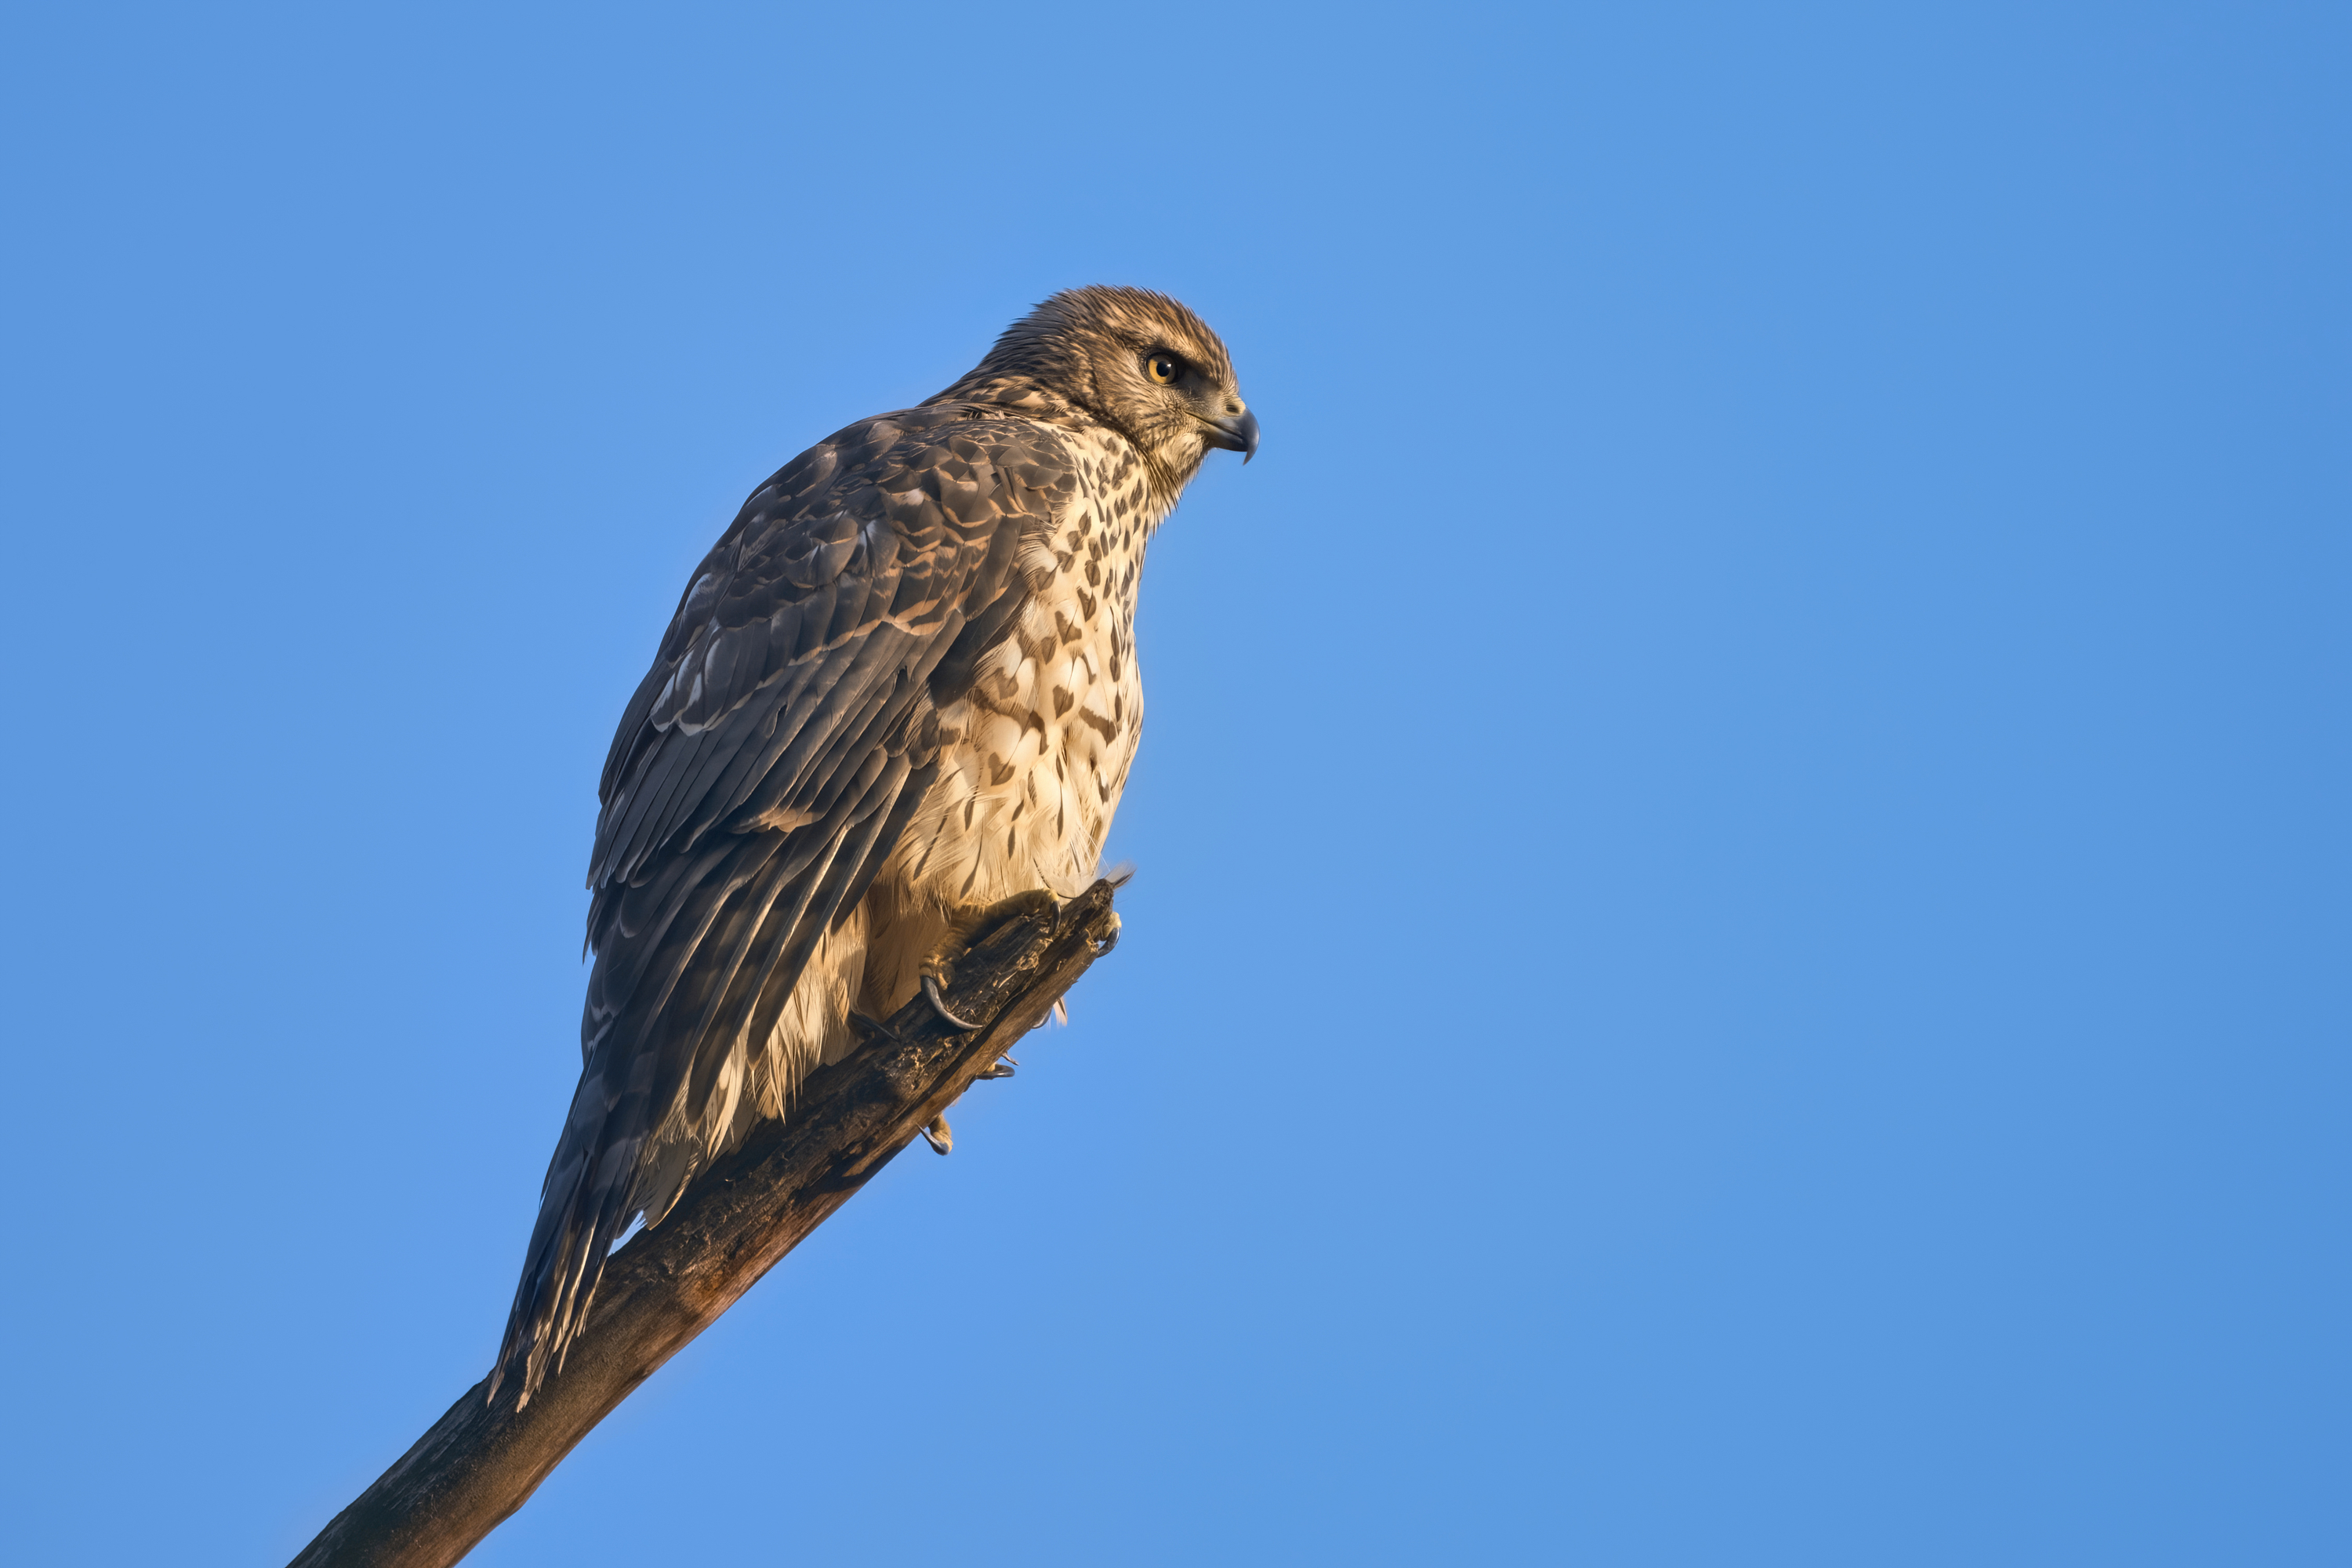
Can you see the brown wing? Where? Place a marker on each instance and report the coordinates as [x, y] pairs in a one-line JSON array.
[[759, 779]]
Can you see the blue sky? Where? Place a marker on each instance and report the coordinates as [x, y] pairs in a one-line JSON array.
[[1739, 954]]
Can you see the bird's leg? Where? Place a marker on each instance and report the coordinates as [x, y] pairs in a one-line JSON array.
[[966, 925]]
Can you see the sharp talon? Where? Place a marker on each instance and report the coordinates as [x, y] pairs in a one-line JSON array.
[[873, 1029], [999, 1070], [939, 1006], [938, 1135]]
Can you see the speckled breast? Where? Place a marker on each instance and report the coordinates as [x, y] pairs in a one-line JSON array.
[[1034, 757]]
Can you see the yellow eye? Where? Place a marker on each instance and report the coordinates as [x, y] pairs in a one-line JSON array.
[[1164, 368]]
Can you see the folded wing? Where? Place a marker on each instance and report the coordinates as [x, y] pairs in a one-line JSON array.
[[759, 779]]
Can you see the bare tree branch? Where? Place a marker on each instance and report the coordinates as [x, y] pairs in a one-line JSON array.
[[478, 1464]]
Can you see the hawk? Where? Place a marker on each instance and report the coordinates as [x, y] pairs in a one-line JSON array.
[[898, 700]]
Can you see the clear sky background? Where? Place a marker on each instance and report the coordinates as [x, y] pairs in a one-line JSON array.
[[1739, 956]]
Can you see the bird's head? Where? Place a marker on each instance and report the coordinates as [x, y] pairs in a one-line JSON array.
[[1139, 362]]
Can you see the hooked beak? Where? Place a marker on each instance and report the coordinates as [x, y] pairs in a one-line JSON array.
[[1238, 434]]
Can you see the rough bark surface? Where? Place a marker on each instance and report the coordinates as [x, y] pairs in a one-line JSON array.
[[478, 1464]]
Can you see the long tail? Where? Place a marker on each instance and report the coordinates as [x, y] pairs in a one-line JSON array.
[[650, 1014], [690, 967]]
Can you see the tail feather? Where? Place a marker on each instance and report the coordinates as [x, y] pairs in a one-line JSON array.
[[727, 956]]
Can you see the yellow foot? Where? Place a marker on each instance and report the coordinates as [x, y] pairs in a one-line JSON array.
[[964, 927]]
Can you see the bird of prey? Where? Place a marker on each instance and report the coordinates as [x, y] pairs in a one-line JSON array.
[[898, 700]]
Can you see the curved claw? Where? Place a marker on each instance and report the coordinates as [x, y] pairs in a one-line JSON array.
[[1110, 938], [938, 1005]]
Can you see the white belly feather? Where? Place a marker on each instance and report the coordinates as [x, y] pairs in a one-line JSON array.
[[1034, 757], [1032, 761]]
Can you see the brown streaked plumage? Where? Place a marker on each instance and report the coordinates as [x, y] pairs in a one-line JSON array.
[[899, 691]]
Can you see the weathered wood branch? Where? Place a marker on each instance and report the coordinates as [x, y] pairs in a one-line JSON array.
[[478, 1464]]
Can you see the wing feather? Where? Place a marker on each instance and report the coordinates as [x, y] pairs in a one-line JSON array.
[[762, 772]]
